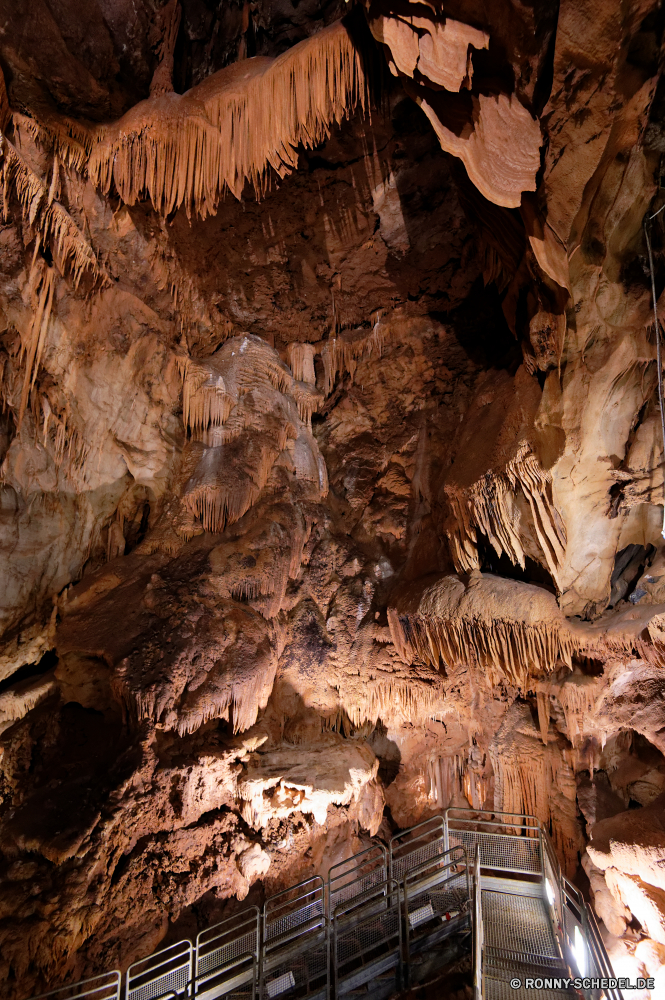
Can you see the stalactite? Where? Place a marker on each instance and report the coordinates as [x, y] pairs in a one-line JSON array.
[[489, 506], [24, 696], [510, 630], [343, 352], [504, 650], [543, 706], [392, 698], [34, 345], [578, 696], [245, 406], [70, 140], [53, 225], [534, 778], [301, 360], [515, 633], [64, 442], [238, 696], [232, 128]]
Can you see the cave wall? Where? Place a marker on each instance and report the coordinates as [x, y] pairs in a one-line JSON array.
[[331, 486]]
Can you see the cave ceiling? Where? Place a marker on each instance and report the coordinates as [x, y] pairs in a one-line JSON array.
[[331, 483]]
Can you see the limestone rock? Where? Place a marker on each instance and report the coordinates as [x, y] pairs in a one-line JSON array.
[[644, 901], [281, 781], [331, 487]]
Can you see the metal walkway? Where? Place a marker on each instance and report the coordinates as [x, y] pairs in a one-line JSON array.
[[386, 920]]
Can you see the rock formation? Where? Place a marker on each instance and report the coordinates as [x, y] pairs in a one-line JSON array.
[[331, 483]]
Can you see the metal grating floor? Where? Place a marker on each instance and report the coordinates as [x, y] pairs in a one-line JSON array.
[[519, 942], [496, 989], [500, 852], [518, 926]]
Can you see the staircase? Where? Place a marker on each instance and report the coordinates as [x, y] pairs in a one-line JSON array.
[[386, 920]]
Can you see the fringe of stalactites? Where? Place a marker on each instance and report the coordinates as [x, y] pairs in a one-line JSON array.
[[239, 703], [489, 506], [70, 140], [342, 354], [53, 225], [205, 401], [393, 700], [217, 505], [504, 650], [208, 398], [578, 696], [65, 442], [232, 128], [33, 347]]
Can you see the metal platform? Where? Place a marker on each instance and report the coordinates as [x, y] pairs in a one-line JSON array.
[[519, 942], [388, 919]]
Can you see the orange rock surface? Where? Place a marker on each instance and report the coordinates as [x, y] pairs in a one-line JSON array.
[[331, 483]]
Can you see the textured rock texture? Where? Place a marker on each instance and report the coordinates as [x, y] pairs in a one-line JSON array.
[[331, 483]]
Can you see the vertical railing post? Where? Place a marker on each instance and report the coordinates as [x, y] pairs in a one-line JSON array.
[[406, 944], [477, 930]]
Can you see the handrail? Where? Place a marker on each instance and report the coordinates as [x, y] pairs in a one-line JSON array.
[[415, 881], [566, 894], [306, 912], [600, 954], [452, 859], [114, 982], [477, 929], [476, 816]]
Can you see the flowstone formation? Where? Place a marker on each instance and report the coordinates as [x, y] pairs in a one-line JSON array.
[[332, 466]]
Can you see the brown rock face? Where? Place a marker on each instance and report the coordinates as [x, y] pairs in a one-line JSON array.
[[331, 484]]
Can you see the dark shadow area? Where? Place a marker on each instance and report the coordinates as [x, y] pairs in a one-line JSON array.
[[501, 565], [482, 331], [371, 220], [388, 753], [48, 662], [629, 565]]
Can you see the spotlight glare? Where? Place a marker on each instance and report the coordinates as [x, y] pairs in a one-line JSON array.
[[579, 951], [549, 891]]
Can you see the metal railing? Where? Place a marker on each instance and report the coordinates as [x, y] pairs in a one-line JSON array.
[[583, 944], [380, 918], [169, 970], [367, 941], [477, 930], [351, 877], [531, 854], [104, 987], [436, 900], [227, 958], [294, 953], [410, 848], [508, 842]]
